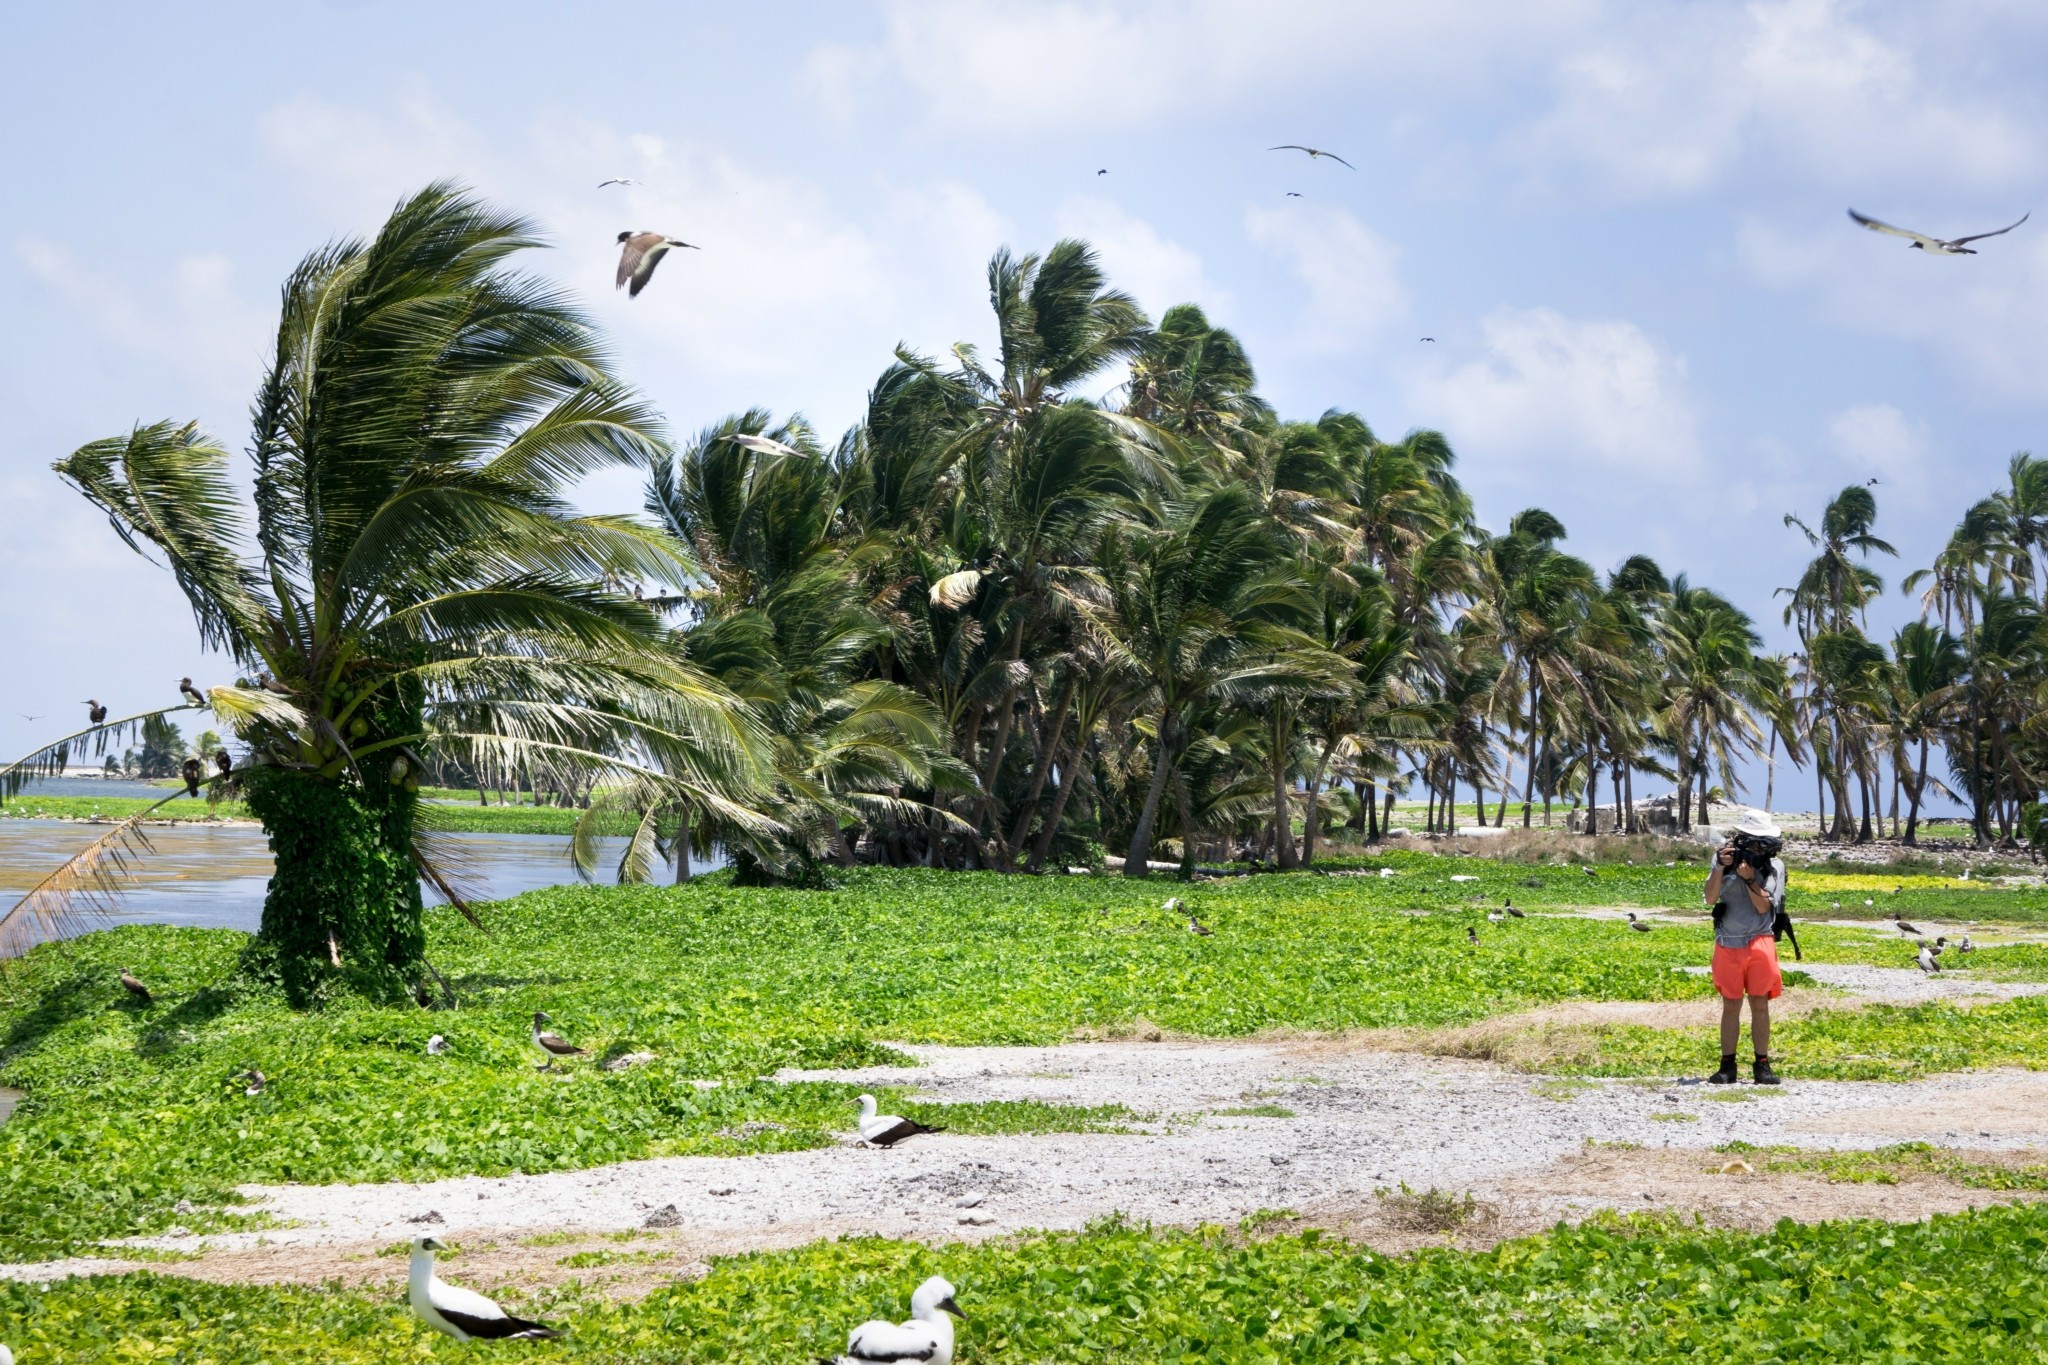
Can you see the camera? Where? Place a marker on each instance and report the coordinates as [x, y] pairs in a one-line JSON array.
[[1755, 850]]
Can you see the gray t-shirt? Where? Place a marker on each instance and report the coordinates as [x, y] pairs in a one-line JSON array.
[[1743, 921]]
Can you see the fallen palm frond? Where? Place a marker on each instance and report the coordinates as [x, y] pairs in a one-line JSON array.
[[448, 865], [81, 891], [52, 759]]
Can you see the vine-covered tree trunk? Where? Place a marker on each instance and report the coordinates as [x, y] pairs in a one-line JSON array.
[[344, 903]]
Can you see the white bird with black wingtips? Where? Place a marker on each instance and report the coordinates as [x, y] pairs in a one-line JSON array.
[[927, 1338], [461, 1313], [886, 1130], [1920, 241]]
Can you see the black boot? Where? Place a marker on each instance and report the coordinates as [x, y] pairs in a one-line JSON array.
[[1764, 1074], [1726, 1075]]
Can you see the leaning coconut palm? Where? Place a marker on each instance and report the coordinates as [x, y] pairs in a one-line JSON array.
[[416, 584]]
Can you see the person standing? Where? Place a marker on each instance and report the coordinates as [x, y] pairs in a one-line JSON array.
[[1746, 887]]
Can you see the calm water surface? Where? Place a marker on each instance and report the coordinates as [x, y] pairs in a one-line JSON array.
[[214, 877]]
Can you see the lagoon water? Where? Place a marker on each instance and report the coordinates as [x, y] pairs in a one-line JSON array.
[[212, 876]]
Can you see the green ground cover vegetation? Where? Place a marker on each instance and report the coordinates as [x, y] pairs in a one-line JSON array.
[[1970, 1287], [1888, 1165], [132, 1108], [452, 816]]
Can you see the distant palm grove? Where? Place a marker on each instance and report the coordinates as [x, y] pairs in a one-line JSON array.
[[995, 624]]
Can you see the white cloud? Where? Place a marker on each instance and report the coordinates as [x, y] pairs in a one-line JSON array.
[[1877, 436], [1140, 260], [1671, 101], [1349, 271], [1571, 398]]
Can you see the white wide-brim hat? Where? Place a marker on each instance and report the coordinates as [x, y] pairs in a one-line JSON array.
[[1759, 827]]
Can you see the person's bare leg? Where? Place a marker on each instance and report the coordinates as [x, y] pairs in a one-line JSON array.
[[1759, 1026], [1731, 1025]]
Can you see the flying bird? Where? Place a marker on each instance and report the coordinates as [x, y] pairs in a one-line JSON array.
[[1922, 242], [616, 180], [886, 1130], [436, 1045], [1637, 924], [1294, 194], [926, 1338], [256, 1081], [1313, 153], [1196, 927], [461, 1313], [1870, 483], [764, 445], [1103, 171], [191, 693], [96, 713], [136, 988], [1430, 339], [639, 253], [27, 717], [551, 1045]]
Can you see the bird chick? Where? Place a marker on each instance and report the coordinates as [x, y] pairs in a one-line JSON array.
[[436, 1045], [256, 1082]]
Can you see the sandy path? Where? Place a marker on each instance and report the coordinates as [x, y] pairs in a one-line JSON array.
[[1358, 1121]]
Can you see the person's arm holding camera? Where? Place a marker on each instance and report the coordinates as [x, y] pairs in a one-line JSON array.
[[1759, 894]]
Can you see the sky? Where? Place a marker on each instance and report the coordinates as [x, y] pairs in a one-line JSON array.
[[1622, 222]]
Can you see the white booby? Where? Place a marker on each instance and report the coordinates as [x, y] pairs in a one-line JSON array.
[[6, 1356], [1494, 917], [927, 1338], [436, 1045], [461, 1313], [886, 1130], [1314, 153], [1172, 905], [1637, 924], [551, 1045]]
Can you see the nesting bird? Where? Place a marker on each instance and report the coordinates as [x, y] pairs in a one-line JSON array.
[[639, 253], [1588, 870], [256, 1082], [1966, 946], [136, 988], [926, 1338], [461, 1313], [436, 1045], [1494, 917], [551, 1045], [1637, 924], [1472, 936], [886, 1130]]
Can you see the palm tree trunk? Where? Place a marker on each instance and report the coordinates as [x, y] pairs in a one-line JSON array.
[[1187, 824], [1913, 791], [1507, 784], [1372, 811], [1529, 778], [1137, 859], [1771, 766], [1283, 814], [1070, 776], [1357, 821], [683, 843], [1315, 789], [1048, 748]]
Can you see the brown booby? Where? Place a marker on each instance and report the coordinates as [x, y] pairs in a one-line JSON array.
[[551, 1045], [136, 988], [639, 253]]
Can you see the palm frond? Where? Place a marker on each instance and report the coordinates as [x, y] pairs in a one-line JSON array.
[[82, 891]]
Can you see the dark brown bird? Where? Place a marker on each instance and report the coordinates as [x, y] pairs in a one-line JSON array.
[[1637, 924], [1471, 936], [1904, 927], [1196, 927], [136, 988], [223, 762], [192, 694], [551, 1045], [194, 772], [1509, 906], [96, 713], [639, 253], [270, 684]]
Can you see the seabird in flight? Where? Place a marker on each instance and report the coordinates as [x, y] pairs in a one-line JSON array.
[[1955, 246], [136, 988], [96, 713], [927, 1338], [639, 253], [1294, 194], [1313, 152], [1429, 338], [551, 1045], [617, 180], [1103, 171], [192, 694], [461, 1313], [886, 1130], [763, 445]]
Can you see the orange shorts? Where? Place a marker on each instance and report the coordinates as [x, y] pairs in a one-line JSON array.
[[1748, 971]]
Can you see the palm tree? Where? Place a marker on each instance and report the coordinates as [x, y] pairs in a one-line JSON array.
[[1928, 665], [415, 585]]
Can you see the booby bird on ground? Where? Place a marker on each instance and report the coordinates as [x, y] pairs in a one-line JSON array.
[[927, 1338], [1929, 960], [1494, 917], [1201, 930], [886, 1130], [136, 988], [1966, 946], [1904, 927], [1920, 241], [256, 1081], [639, 253], [191, 693], [1637, 924], [461, 1313], [1472, 936], [1172, 905], [436, 1045], [6, 1356], [551, 1045], [1589, 872], [1508, 906]]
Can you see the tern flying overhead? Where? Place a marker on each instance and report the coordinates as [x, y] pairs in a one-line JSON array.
[[886, 1130], [461, 1313], [764, 445], [639, 253], [1313, 153], [1922, 242], [551, 1045], [1294, 194], [926, 1339], [616, 180]]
